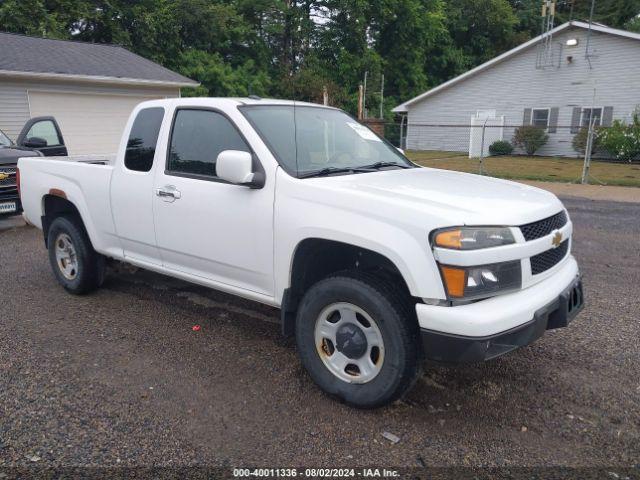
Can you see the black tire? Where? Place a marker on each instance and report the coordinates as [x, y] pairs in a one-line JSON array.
[[395, 320], [90, 268]]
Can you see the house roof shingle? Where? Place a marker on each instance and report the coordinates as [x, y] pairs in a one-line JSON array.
[[24, 55]]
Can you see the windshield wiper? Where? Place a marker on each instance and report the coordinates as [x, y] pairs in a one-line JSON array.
[[378, 165], [330, 170], [361, 169]]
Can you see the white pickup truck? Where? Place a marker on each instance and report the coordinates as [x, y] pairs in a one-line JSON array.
[[376, 264]]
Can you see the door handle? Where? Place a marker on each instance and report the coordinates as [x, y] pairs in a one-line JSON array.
[[168, 192]]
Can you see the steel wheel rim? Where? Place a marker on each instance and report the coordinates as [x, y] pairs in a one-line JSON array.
[[66, 257], [333, 326]]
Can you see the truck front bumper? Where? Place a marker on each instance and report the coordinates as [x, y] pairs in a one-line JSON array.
[[475, 331]]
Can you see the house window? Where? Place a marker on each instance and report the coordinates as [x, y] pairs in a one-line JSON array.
[[540, 117], [591, 113]]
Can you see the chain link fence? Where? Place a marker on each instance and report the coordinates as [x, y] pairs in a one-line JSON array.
[[489, 146], [473, 141]]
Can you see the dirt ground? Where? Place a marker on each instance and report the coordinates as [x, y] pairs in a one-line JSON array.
[[119, 378]]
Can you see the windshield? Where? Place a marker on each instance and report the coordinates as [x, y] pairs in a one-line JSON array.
[[307, 140], [4, 140]]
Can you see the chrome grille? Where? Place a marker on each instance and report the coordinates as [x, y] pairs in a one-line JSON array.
[[542, 228], [8, 188], [548, 259]]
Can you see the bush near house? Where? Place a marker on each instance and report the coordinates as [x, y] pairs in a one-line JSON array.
[[501, 147], [579, 141], [622, 140], [530, 138]]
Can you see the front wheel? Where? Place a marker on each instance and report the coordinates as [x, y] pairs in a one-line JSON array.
[[76, 265], [358, 339]]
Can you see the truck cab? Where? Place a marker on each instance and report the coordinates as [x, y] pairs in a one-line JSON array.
[[376, 264], [40, 136]]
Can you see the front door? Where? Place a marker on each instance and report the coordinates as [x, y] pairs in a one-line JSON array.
[[43, 134], [204, 226]]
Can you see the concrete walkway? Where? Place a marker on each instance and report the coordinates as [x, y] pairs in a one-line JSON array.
[[591, 192]]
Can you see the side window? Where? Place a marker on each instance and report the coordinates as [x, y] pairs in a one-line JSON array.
[[591, 114], [45, 130], [540, 117], [143, 137], [197, 138]]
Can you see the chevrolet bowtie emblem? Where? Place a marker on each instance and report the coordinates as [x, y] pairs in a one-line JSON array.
[[557, 239], [4, 176]]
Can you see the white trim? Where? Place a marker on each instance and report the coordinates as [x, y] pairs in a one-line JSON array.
[[594, 27], [547, 109], [26, 92], [95, 79], [150, 96]]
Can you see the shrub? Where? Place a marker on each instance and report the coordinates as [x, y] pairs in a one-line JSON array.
[[579, 141], [622, 140], [500, 147], [530, 138]]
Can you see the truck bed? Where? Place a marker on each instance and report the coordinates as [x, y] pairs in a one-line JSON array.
[[84, 180]]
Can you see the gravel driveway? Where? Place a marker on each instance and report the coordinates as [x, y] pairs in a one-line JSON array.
[[120, 377]]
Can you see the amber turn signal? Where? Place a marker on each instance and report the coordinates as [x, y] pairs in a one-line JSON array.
[[455, 280], [449, 239]]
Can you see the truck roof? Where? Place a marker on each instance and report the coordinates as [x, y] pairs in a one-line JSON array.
[[217, 101]]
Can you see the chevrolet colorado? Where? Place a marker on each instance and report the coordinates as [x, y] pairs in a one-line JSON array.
[[376, 264]]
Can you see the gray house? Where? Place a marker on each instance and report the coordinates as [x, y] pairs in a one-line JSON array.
[[90, 88], [557, 81]]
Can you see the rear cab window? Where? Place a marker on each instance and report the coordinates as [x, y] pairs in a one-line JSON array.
[[143, 138]]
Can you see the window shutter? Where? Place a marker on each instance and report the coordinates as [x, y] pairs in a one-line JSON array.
[[553, 119], [527, 117], [607, 116], [575, 119]]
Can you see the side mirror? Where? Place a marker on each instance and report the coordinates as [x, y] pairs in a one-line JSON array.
[[35, 142], [236, 167]]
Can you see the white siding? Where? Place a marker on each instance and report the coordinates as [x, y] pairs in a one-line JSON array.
[[515, 84], [15, 109]]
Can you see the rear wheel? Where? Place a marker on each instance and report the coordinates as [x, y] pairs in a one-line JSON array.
[[76, 265], [358, 339]]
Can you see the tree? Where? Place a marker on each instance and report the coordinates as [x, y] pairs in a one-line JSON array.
[[295, 48], [481, 29]]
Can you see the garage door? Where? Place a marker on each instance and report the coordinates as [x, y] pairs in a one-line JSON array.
[[90, 123]]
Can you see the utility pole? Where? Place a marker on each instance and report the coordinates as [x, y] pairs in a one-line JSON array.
[[364, 96], [325, 96], [360, 102], [382, 97]]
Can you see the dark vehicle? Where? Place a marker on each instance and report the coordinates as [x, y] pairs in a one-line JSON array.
[[40, 137]]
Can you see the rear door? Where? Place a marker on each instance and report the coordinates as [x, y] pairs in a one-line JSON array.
[[132, 187], [43, 134]]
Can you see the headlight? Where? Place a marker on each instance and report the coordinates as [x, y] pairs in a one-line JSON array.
[[473, 238], [481, 281]]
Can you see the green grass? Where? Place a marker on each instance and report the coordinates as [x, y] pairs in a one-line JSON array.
[[546, 169]]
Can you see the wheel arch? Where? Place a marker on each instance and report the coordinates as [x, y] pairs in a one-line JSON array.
[[316, 258], [55, 204]]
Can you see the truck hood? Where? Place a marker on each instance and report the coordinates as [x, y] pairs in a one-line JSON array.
[[456, 198], [10, 155]]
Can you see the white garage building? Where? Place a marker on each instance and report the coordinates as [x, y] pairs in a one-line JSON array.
[[89, 88]]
